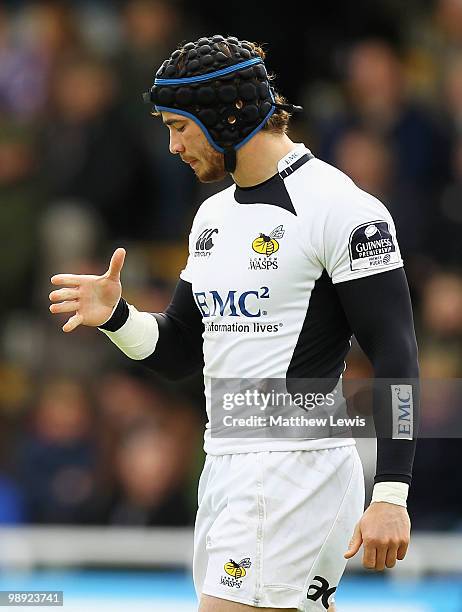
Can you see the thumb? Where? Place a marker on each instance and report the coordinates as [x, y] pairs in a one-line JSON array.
[[116, 264], [355, 543]]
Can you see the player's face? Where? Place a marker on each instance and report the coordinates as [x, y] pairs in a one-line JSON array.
[[189, 141]]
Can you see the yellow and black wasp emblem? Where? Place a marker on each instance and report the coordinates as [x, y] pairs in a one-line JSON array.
[[268, 245], [237, 570]]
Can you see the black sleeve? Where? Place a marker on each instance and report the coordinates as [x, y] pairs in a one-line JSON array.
[[178, 351], [379, 311]]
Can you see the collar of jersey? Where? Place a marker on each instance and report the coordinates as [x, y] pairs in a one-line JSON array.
[[286, 165], [259, 185], [272, 192], [293, 156]]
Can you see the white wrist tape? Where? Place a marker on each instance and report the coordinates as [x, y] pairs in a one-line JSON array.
[[391, 492], [138, 336]]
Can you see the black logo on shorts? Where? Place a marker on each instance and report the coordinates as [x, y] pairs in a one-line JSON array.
[[322, 591], [372, 244], [204, 242]]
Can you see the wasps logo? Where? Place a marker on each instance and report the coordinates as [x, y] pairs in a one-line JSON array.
[[268, 245], [237, 570]]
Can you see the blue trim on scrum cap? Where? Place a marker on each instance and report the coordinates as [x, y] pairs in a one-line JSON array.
[[196, 120], [260, 125], [210, 75], [257, 129]]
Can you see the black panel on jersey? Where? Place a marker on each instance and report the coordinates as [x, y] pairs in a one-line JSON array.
[[379, 311], [272, 191], [324, 339], [178, 351]]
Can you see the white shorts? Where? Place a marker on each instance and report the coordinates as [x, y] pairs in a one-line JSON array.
[[272, 527]]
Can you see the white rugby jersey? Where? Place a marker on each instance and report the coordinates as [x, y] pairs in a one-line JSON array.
[[262, 264]]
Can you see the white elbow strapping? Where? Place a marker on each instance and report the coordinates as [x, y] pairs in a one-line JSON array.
[[138, 336]]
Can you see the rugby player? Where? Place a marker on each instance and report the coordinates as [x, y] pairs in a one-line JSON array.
[[295, 246]]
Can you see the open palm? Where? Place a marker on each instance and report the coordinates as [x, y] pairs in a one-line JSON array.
[[91, 298]]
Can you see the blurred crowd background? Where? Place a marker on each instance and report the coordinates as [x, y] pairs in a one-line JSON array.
[[87, 437]]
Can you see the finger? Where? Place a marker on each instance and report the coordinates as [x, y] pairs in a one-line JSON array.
[[116, 264], [355, 543], [64, 294], [66, 279], [73, 322], [380, 557], [402, 550], [370, 556], [390, 561], [70, 306]]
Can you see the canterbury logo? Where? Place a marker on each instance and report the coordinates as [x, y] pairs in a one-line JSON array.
[[322, 591], [204, 241]]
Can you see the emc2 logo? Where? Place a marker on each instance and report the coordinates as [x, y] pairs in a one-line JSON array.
[[245, 304]]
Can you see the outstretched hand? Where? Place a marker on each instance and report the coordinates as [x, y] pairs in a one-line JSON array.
[[384, 530], [91, 298]]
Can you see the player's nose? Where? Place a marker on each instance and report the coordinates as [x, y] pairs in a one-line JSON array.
[[176, 145]]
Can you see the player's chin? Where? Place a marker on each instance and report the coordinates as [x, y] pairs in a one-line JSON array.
[[209, 175]]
